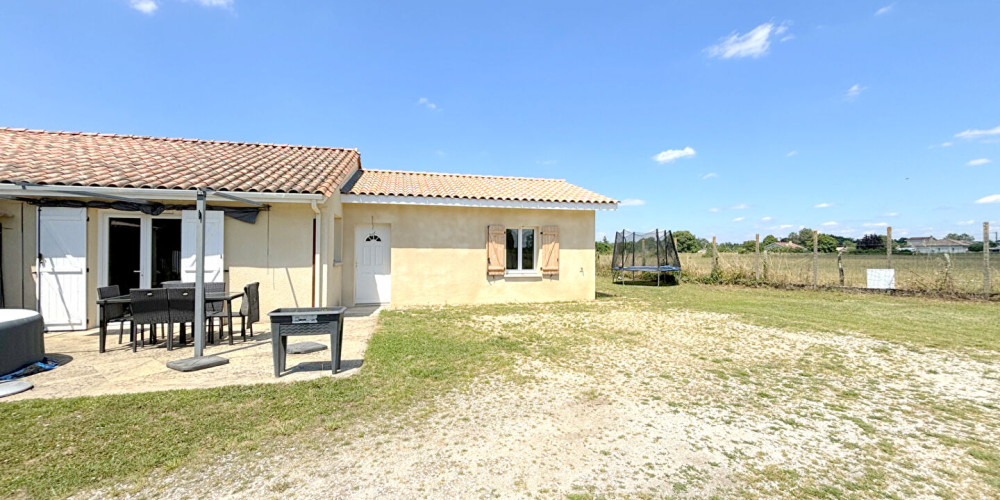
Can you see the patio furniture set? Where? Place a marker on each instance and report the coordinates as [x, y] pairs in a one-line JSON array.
[[174, 304]]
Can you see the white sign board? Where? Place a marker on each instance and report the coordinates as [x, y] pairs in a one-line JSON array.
[[884, 279]]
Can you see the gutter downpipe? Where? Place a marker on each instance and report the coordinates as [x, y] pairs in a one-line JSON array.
[[317, 245]]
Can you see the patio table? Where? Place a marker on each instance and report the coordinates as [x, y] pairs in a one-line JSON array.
[[226, 297]]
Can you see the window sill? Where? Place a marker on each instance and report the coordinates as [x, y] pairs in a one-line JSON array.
[[337, 263], [522, 275]]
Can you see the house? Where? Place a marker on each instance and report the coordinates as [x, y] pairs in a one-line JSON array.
[[932, 245], [79, 211], [786, 246]]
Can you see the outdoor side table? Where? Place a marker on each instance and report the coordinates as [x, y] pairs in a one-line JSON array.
[[290, 321]]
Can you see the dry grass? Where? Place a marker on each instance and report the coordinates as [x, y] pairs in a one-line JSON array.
[[641, 394], [913, 272]]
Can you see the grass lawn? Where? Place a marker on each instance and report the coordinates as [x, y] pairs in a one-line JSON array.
[[53, 448]]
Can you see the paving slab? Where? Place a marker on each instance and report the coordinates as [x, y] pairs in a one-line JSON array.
[[85, 372]]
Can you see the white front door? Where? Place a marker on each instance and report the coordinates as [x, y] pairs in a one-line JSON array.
[[372, 266], [62, 267], [214, 239]]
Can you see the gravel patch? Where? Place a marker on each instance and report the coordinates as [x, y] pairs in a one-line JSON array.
[[621, 401]]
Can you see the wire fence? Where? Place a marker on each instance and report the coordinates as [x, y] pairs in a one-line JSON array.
[[968, 274]]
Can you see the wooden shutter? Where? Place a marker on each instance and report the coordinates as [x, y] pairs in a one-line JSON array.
[[550, 250], [496, 259]]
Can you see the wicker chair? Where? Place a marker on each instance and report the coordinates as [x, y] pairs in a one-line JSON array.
[[180, 304], [149, 307], [249, 309], [215, 310], [114, 312], [177, 284]]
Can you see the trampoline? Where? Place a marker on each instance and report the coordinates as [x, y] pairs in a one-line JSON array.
[[652, 252]]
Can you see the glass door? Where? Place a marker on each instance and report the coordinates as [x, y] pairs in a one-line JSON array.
[[124, 253], [166, 251], [141, 251]]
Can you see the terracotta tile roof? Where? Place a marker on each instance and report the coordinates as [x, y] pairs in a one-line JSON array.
[[470, 187], [109, 160], [934, 242]]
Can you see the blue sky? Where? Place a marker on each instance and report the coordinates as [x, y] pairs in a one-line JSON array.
[[724, 118]]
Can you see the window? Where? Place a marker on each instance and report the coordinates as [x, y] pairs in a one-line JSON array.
[[521, 250]]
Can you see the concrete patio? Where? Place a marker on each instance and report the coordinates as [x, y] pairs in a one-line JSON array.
[[82, 371]]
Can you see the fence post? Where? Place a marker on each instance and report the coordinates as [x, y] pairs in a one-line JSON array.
[[815, 259], [756, 261], [986, 260], [715, 258], [840, 265], [888, 245]]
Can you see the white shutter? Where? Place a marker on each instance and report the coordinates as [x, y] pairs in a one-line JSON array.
[[214, 237], [62, 267]]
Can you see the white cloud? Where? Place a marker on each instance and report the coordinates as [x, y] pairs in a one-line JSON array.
[[891, 214], [830, 223], [755, 43], [854, 92], [713, 210], [672, 155], [785, 226], [427, 103], [765, 219], [711, 175], [978, 133], [632, 202], [875, 224], [884, 10], [823, 205], [215, 3], [144, 6], [741, 206], [966, 222], [978, 161], [738, 219], [787, 38], [993, 198], [792, 153], [546, 162], [946, 144]]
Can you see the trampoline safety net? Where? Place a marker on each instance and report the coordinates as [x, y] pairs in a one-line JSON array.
[[645, 252]]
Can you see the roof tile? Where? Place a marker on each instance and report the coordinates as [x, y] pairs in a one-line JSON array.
[[472, 187], [111, 160]]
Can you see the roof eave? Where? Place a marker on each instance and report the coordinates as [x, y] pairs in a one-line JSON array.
[[150, 193], [476, 203]]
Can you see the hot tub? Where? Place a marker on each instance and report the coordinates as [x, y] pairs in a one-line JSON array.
[[21, 339]]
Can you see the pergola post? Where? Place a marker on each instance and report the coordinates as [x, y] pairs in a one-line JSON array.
[[199, 280]]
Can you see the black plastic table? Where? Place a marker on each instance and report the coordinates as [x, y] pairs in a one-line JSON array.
[[227, 297], [291, 321]]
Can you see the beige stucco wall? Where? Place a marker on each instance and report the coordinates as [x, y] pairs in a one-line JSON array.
[[277, 251], [438, 254]]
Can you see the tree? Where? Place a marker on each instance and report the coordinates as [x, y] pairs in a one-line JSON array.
[[602, 247], [806, 238], [961, 237], [827, 243], [871, 241], [749, 246], [687, 242], [768, 240], [978, 246]]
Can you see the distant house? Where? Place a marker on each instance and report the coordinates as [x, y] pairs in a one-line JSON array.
[[930, 244], [787, 246]]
